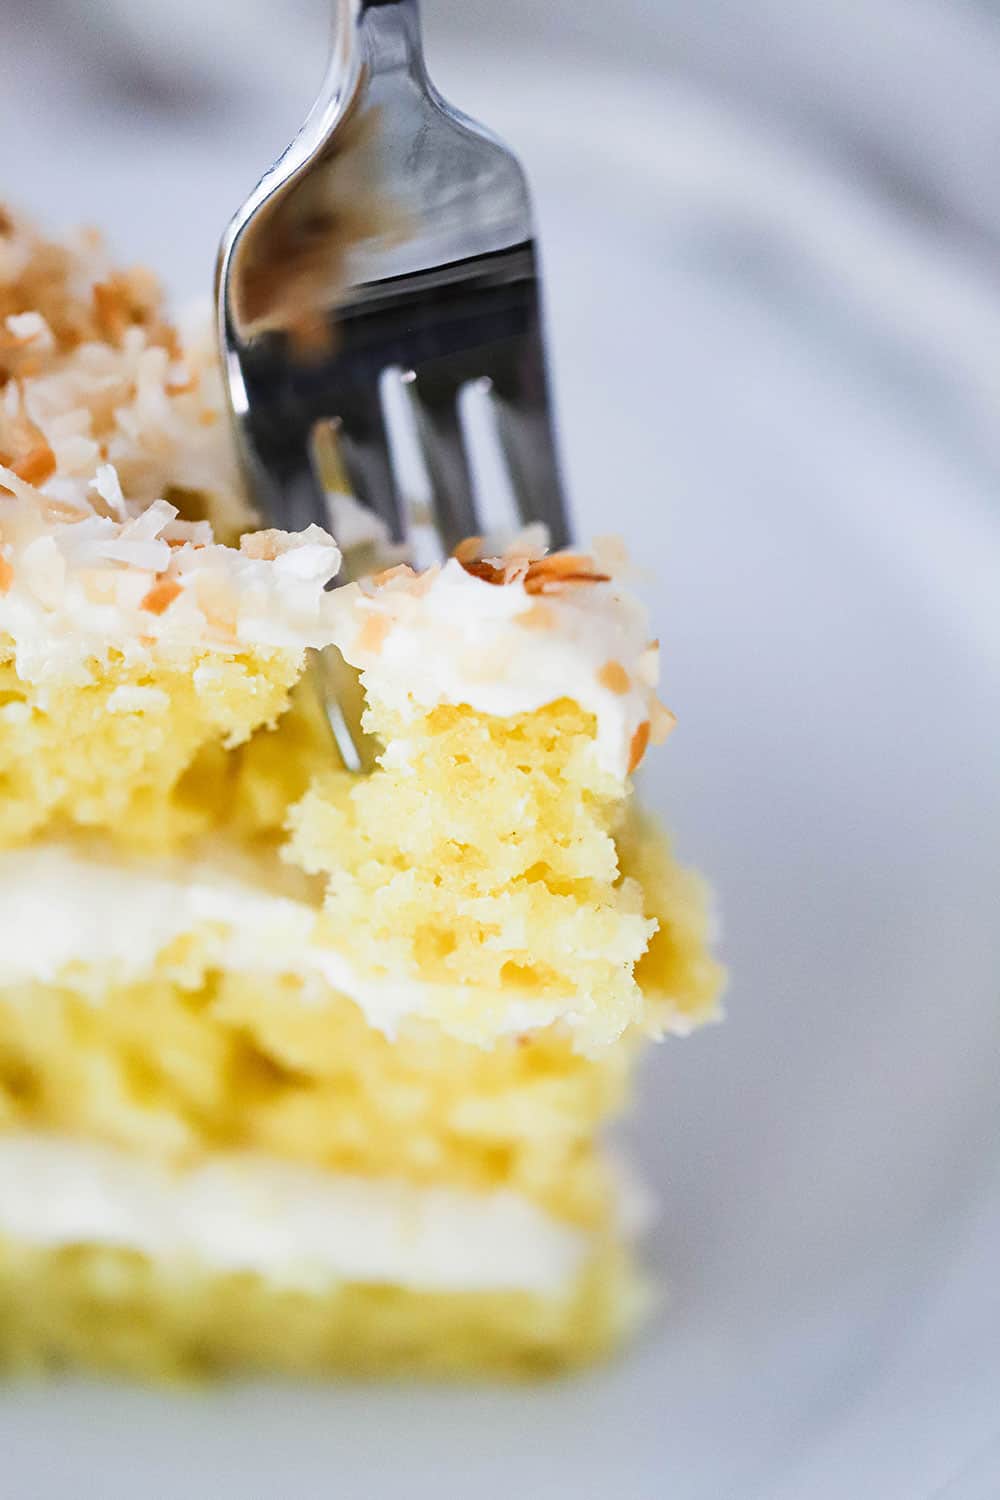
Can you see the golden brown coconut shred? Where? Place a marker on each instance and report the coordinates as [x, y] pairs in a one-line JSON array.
[[48, 283], [541, 573]]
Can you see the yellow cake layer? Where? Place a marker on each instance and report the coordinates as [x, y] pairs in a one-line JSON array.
[[119, 1312], [483, 857], [111, 753], [230, 1062]]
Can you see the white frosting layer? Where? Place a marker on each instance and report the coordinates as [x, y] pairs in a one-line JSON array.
[[62, 909], [447, 636], [295, 1225]]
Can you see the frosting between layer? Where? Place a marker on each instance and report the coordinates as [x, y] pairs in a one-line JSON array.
[[64, 912], [295, 1225]]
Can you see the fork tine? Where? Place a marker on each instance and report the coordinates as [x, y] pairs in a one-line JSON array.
[[525, 424], [284, 480], [440, 428], [363, 446]]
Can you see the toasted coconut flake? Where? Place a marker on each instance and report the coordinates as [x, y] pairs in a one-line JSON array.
[[371, 636], [546, 584], [663, 722], [160, 596], [469, 550], [37, 465], [129, 299], [109, 311], [401, 570], [504, 567], [6, 574], [266, 545], [559, 564], [559, 570], [489, 572], [637, 748], [614, 677]]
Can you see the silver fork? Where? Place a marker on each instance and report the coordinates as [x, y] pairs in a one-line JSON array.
[[391, 243]]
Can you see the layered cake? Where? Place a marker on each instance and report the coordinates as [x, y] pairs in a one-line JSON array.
[[302, 1070]]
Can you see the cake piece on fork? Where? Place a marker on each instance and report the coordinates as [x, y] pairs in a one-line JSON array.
[[479, 866]]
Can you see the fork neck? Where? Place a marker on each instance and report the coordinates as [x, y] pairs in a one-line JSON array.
[[386, 32]]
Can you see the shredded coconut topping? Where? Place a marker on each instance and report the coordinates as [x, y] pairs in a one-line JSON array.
[[76, 584], [110, 427], [93, 375], [507, 633], [106, 418]]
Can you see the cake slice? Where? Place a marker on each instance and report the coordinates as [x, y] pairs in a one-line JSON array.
[[302, 1071], [481, 870]]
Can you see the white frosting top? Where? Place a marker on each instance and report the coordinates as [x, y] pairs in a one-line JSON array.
[[79, 580], [104, 408], [296, 1225], [75, 584], [505, 648]]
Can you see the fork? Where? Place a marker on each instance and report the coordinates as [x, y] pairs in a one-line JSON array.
[[390, 249]]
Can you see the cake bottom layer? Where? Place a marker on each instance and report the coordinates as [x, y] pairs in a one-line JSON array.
[[113, 1261], [124, 1313]]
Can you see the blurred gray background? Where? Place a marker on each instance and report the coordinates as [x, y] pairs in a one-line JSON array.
[[771, 237]]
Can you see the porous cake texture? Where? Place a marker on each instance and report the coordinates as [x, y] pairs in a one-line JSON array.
[[300, 1070]]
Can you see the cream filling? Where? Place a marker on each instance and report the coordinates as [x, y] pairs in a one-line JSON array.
[[294, 1225], [63, 911]]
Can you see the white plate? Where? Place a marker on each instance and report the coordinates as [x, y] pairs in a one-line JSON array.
[[803, 468]]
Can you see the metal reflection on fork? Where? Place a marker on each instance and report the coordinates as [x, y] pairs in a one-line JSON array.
[[394, 235]]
